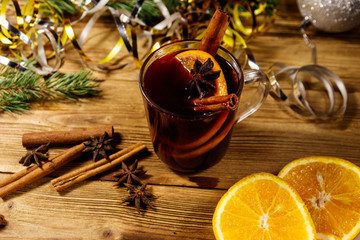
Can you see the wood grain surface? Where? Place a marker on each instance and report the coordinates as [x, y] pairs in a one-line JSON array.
[[184, 204]]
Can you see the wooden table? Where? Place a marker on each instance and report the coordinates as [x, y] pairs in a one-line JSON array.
[[184, 206]]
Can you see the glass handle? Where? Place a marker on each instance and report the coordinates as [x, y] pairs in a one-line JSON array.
[[249, 105]]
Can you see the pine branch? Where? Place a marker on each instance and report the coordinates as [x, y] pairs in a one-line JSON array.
[[62, 8], [70, 86], [149, 12], [19, 89], [172, 5]]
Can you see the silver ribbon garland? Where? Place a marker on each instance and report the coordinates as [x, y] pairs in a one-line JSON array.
[[297, 101]]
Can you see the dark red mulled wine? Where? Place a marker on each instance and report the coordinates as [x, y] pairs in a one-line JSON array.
[[186, 140]]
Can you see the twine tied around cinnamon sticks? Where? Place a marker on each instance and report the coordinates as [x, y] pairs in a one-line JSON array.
[[30, 174]]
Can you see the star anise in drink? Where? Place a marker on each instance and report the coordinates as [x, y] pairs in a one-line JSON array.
[[36, 156], [99, 146], [139, 196], [129, 174], [202, 75]]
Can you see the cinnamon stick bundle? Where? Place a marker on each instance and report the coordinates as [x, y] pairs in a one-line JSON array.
[[24, 177], [60, 138], [215, 32], [216, 103], [100, 166]]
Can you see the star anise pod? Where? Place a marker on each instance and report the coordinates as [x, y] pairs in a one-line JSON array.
[[3, 222], [202, 74], [99, 146], [37, 156], [139, 196], [129, 174]]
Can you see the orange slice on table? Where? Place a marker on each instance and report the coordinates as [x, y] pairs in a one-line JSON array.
[[330, 188], [262, 206], [187, 58], [322, 236]]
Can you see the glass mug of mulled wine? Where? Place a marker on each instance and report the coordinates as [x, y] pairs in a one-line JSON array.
[[184, 138]]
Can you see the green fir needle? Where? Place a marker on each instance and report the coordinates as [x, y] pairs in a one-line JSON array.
[[19, 89]]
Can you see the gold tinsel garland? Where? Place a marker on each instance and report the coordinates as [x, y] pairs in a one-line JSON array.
[[38, 21]]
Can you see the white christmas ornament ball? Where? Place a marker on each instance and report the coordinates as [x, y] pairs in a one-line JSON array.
[[331, 15]]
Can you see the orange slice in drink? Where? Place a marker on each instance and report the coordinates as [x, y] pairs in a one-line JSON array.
[[187, 58], [262, 206], [330, 188]]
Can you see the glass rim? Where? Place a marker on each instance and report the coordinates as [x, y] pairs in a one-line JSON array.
[[178, 115]]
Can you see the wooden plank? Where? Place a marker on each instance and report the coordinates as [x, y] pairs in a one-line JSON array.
[[95, 211]]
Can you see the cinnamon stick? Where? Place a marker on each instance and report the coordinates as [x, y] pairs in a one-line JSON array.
[[215, 32], [37, 172], [216, 103], [15, 176], [99, 163], [102, 165], [23, 172], [60, 138]]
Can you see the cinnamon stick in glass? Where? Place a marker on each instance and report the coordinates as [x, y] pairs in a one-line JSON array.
[[61, 138], [38, 172], [215, 32], [216, 103], [210, 44]]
